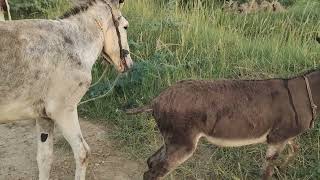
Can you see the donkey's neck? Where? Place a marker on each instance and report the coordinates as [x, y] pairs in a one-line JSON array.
[[87, 37], [314, 80], [87, 34]]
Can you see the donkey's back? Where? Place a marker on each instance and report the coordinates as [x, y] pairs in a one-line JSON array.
[[32, 54]]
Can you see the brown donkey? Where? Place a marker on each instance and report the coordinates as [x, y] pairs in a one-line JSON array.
[[231, 113]]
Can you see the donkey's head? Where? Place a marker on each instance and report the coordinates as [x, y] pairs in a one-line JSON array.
[[115, 47]]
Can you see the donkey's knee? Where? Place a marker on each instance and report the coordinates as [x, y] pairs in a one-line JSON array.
[[84, 153], [156, 157], [173, 156], [157, 172]]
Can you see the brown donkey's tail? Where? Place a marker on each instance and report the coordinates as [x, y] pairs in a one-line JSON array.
[[139, 110]]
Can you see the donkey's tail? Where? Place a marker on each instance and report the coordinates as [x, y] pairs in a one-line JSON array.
[[139, 110]]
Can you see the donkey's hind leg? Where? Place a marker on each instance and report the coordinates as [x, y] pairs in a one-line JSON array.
[[67, 121], [175, 153], [273, 152], [45, 147]]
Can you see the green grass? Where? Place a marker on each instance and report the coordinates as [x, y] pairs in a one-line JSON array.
[[169, 44], [21, 9]]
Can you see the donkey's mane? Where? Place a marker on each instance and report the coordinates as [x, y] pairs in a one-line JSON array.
[[78, 9], [299, 75], [304, 73]]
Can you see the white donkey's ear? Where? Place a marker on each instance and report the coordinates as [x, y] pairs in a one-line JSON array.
[[121, 3], [117, 3]]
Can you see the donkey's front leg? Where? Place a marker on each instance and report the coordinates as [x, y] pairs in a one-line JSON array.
[[273, 152], [67, 121], [157, 156], [45, 147]]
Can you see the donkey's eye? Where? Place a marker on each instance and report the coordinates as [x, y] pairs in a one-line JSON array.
[[126, 27]]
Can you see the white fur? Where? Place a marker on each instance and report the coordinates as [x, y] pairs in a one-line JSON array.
[[45, 69], [236, 142]]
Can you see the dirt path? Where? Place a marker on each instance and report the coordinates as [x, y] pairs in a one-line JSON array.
[[18, 155]]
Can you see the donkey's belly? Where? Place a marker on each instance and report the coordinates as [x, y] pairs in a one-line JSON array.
[[13, 111], [228, 142]]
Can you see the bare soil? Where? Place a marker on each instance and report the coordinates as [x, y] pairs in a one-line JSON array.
[[18, 155]]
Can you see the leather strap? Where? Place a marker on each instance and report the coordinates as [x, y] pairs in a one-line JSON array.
[[313, 105]]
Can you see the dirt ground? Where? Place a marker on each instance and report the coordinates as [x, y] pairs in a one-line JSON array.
[[18, 155]]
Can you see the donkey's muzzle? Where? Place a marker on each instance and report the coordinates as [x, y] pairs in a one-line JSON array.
[[126, 60], [124, 53]]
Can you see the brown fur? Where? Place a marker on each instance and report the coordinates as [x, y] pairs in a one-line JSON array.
[[230, 110], [3, 5]]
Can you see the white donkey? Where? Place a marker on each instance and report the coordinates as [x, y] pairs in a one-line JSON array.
[[45, 69]]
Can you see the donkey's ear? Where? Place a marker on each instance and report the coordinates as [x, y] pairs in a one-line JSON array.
[[117, 2]]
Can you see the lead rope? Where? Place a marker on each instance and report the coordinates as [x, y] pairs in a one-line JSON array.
[[105, 70], [105, 94], [313, 105]]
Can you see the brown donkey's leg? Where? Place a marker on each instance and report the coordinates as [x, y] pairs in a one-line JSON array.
[[176, 152], [272, 155], [156, 157]]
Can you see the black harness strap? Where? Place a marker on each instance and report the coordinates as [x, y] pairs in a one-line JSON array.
[[123, 52]]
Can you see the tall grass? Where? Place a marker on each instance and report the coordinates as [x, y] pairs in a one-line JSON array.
[[169, 44]]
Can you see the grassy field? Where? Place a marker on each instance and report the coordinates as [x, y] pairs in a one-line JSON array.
[[169, 44]]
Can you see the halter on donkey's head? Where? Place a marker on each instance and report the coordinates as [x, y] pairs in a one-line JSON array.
[[123, 52]]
